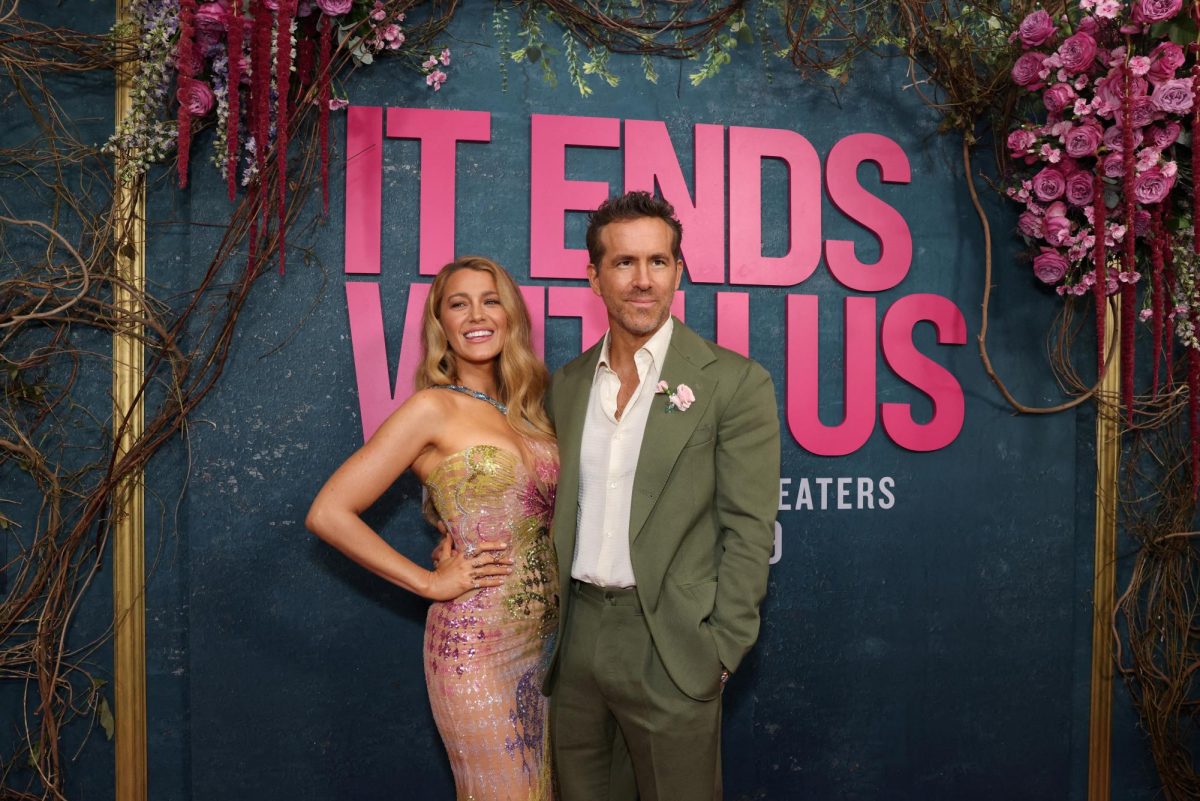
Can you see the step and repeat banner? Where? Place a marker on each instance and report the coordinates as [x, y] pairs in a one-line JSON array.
[[926, 630]]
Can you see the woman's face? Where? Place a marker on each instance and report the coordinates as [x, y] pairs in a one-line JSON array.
[[472, 316]]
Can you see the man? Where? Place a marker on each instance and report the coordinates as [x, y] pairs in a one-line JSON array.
[[663, 526]]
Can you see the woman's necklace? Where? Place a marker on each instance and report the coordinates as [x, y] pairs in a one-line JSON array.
[[474, 393]]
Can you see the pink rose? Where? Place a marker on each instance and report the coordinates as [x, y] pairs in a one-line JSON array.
[[1077, 53], [1113, 138], [1163, 136], [1058, 97], [1173, 96], [1079, 189], [1167, 57], [1025, 71], [1030, 225], [1058, 230], [1155, 10], [683, 397], [1109, 90], [195, 95], [211, 17], [1056, 209], [1152, 186], [1020, 141], [1049, 266], [335, 8], [1082, 140], [1036, 28], [1048, 184], [1141, 111], [1114, 165]]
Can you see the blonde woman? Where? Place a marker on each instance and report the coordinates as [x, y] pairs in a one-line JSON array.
[[476, 436]]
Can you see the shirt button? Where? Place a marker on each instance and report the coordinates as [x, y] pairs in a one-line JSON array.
[[612, 485]]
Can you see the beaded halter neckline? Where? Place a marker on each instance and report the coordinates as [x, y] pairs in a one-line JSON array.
[[474, 393]]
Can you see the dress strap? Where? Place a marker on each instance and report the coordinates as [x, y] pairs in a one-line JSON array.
[[474, 393]]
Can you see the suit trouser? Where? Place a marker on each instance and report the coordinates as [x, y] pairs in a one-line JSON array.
[[615, 713]]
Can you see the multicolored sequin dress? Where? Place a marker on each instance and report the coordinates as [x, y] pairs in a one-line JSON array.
[[486, 651]]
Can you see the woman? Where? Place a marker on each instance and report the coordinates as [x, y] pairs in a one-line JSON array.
[[476, 436]]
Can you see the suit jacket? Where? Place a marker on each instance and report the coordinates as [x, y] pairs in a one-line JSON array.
[[705, 494]]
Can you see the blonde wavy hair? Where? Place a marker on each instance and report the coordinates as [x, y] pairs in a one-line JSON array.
[[521, 378]]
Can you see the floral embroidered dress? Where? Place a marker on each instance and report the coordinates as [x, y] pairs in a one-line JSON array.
[[485, 652]]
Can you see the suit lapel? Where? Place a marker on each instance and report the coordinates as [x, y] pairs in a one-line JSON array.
[[668, 431], [570, 412]]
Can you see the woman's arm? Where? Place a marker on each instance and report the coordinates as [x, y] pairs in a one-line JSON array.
[[406, 436]]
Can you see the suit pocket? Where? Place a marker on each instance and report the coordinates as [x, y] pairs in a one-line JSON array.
[[701, 436], [703, 592]]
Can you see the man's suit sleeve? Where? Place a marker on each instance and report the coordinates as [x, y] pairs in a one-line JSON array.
[[747, 495]]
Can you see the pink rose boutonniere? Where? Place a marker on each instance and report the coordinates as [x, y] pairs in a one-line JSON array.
[[678, 399]]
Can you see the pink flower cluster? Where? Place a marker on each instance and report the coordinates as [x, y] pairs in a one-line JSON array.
[[1081, 85], [385, 34], [434, 76]]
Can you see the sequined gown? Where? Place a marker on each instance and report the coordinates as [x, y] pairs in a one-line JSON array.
[[485, 652]]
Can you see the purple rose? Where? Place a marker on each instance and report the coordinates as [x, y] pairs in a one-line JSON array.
[[1077, 53], [1025, 71], [1088, 25], [1173, 96], [1030, 225], [1163, 136], [1152, 186], [1049, 266], [195, 95], [1048, 184], [1058, 230], [1058, 97], [1166, 59], [1036, 28], [1079, 189], [1155, 10], [1141, 222], [335, 8], [1082, 140], [1114, 165], [1019, 142]]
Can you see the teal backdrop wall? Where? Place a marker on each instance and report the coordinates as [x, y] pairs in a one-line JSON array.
[[936, 649]]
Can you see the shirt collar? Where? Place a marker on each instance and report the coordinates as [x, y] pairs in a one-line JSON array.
[[656, 346]]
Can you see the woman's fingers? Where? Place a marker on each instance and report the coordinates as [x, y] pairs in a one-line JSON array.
[[490, 570]]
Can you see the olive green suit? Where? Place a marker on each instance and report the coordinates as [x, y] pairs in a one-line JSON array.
[[702, 515]]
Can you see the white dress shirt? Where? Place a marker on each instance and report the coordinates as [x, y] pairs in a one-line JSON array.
[[608, 459]]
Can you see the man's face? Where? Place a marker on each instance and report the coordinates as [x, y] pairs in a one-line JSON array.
[[638, 274]]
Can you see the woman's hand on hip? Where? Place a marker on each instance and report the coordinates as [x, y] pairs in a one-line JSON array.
[[465, 571]]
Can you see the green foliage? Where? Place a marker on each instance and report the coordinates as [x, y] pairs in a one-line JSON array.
[[534, 50]]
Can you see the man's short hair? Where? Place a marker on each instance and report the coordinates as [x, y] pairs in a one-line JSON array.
[[631, 206]]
